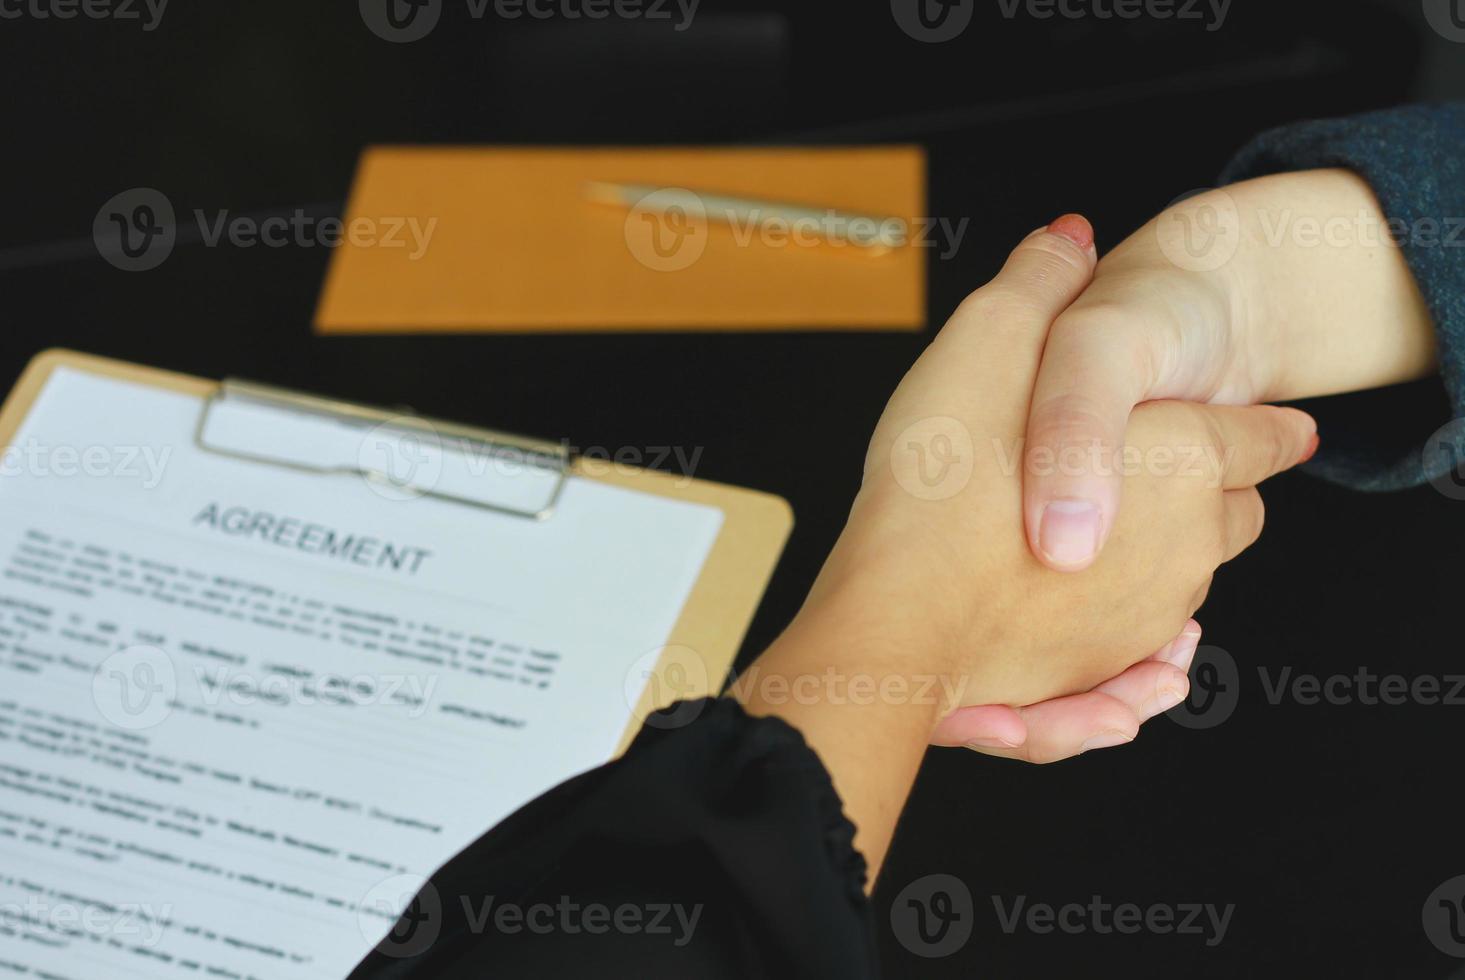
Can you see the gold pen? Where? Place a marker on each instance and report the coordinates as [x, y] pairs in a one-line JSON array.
[[874, 235]]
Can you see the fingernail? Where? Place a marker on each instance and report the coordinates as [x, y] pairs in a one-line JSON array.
[[1105, 740], [1075, 228], [1069, 531], [991, 743], [1310, 451], [1167, 696], [1182, 650]]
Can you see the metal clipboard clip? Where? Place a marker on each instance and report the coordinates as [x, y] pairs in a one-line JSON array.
[[400, 455]]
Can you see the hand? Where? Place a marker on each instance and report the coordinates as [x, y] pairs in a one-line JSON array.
[[1061, 728], [1164, 318], [938, 560], [1279, 288], [933, 576]]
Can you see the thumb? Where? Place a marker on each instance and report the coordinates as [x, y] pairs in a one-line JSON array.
[[1048, 269], [1044, 274], [1087, 385]]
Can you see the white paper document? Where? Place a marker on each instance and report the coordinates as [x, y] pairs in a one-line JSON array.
[[245, 710]]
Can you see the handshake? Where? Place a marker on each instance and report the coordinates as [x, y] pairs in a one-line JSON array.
[[1052, 485]]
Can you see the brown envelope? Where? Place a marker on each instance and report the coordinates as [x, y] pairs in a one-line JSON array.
[[511, 239]]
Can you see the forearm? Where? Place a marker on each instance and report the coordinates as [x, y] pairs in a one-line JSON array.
[[1308, 274], [844, 674], [1321, 270]]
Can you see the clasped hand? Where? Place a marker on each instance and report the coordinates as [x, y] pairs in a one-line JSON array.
[[1051, 662]]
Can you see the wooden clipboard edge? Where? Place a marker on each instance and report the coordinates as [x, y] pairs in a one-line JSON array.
[[699, 654], [715, 618]]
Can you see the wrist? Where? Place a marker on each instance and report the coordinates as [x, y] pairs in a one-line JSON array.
[[1323, 288], [872, 631], [842, 693], [898, 592], [1199, 257]]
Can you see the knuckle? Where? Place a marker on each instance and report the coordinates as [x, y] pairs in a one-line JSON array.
[[1258, 514], [1105, 319], [1274, 450], [1221, 547], [997, 302], [1147, 345], [1219, 543], [1198, 598], [1208, 425], [1047, 268], [1176, 424], [1068, 434], [1045, 755], [1103, 336], [1050, 252], [1207, 545], [1256, 517], [1069, 417]]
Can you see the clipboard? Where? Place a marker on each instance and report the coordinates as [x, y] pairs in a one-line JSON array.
[[718, 610]]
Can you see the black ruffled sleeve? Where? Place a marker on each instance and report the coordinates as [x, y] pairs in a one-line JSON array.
[[716, 847]]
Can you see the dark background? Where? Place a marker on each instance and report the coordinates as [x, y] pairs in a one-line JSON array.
[[1326, 826]]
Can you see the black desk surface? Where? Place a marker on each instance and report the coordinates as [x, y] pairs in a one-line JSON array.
[[1326, 826]]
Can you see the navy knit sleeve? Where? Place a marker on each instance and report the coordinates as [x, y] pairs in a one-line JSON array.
[[1414, 159]]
